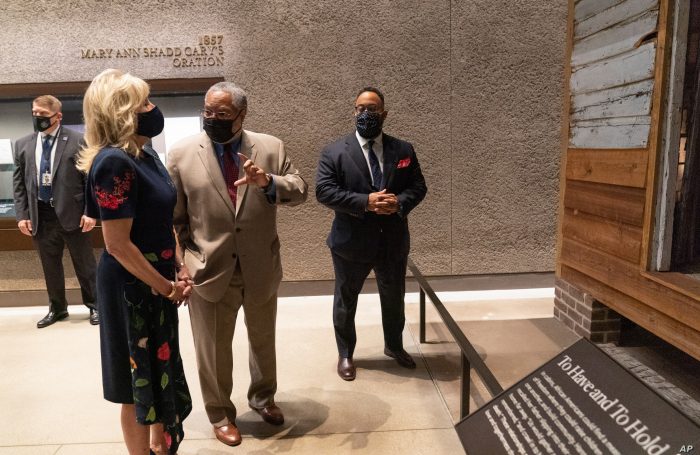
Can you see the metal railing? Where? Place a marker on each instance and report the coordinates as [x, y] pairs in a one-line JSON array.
[[470, 358]]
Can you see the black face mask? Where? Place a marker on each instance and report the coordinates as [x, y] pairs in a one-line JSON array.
[[42, 123], [220, 131], [369, 124], [150, 124]]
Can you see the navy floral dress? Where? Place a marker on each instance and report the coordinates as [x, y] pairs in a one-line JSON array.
[[139, 342]]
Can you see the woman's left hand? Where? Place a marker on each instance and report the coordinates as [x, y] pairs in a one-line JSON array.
[[183, 276]]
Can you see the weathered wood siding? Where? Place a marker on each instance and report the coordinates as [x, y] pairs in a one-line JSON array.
[[612, 71], [615, 45]]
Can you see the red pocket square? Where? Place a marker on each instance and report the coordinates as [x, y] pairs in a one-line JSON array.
[[403, 163]]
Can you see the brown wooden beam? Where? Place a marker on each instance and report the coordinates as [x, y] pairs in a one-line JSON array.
[[679, 333], [626, 278], [619, 239], [564, 133], [624, 167]]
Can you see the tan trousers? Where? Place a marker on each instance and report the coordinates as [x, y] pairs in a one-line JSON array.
[[213, 324]]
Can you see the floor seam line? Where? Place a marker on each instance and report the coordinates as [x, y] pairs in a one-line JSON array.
[[443, 400]]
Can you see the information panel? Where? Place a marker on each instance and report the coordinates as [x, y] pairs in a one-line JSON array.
[[580, 403]]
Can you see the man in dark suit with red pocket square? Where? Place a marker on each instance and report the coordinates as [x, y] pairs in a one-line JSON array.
[[372, 181]]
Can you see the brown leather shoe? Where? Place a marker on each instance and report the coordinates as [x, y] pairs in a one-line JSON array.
[[402, 357], [271, 414], [228, 434], [346, 369]]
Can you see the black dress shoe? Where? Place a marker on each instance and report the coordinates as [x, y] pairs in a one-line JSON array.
[[402, 357], [346, 369], [271, 414], [52, 317], [94, 317]]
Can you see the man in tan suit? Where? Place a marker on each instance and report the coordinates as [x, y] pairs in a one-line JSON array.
[[229, 182]]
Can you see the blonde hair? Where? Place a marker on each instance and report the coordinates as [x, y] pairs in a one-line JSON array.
[[109, 110], [48, 101]]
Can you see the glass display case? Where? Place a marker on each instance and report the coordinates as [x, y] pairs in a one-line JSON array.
[[6, 168]]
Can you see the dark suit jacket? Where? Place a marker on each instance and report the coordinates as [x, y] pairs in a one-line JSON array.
[[343, 183], [68, 183]]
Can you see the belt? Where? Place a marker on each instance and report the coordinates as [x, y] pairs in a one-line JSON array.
[[45, 205]]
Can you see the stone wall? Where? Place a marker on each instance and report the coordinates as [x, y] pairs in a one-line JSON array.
[[475, 86]]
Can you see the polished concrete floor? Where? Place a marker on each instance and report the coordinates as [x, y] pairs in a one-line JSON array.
[[51, 396]]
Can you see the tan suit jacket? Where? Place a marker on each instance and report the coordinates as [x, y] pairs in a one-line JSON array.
[[216, 235]]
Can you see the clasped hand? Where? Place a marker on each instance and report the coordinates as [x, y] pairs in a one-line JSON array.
[[382, 203], [253, 173], [183, 278], [183, 288]]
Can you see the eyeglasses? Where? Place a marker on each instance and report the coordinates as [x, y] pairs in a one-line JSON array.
[[371, 108], [206, 113]]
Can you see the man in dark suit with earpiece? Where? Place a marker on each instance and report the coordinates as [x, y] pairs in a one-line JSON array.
[[49, 195], [372, 181]]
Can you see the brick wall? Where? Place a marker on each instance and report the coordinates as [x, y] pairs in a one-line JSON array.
[[585, 315]]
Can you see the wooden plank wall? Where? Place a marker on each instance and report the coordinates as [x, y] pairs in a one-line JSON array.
[[605, 183], [612, 73]]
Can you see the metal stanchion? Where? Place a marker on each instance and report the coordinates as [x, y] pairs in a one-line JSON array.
[[466, 387], [422, 316]]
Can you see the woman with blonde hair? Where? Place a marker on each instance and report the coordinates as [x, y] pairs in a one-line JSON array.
[[138, 287]]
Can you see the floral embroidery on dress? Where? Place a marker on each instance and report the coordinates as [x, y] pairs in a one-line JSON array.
[[151, 257], [168, 439], [164, 352], [165, 254], [116, 198]]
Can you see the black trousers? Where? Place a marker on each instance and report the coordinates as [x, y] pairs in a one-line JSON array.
[[349, 278], [50, 240]]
